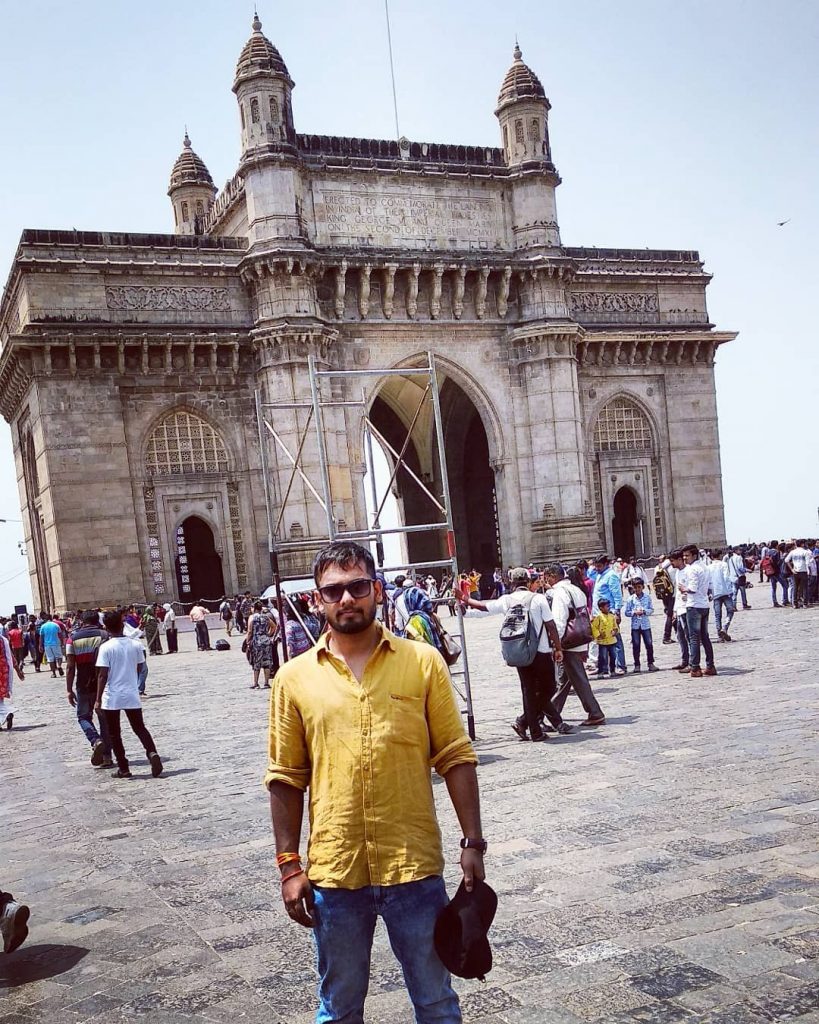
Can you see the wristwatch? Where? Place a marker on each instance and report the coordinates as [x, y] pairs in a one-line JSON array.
[[473, 844]]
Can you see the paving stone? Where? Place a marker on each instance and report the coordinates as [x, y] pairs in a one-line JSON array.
[[629, 879]]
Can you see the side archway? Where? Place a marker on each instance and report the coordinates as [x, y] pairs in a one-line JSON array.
[[626, 478]]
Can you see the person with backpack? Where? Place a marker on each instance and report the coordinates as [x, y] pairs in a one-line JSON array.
[[770, 567], [531, 644], [663, 584], [571, 615], [226, 615]]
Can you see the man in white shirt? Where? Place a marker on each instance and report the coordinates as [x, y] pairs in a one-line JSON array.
[[118, 661], [537, 681], [693, 580], [677, 564], [797, 558], [568, 600], [735, 564], [169, 624]]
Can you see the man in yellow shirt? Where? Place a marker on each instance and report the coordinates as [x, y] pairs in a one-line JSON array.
[[358, 721]]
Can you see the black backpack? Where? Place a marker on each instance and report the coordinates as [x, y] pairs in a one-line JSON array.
[[222, 645]]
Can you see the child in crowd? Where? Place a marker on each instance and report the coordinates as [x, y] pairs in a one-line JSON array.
[[639, 608], [604, 632]]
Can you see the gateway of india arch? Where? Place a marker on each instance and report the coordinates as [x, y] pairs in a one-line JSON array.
[[576, 384]]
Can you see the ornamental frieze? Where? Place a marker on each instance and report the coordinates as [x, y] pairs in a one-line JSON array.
[[614, 302], [167, 298]]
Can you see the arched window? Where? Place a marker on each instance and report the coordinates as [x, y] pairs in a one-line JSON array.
[[31, 474], [274, 110], [200, 209], [534, 129], [519, 130], [622, 427], [184, 211], [254, 111], [184, 443]]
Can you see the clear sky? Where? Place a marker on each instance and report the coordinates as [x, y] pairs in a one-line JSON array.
[[674, 125]]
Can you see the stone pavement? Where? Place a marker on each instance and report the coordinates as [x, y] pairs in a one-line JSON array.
[[663, 868]]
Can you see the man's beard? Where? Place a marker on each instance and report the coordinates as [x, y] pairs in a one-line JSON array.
[[354, 621]]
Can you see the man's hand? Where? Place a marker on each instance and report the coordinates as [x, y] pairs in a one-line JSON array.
[[617, 616], [472, 867], [20, 673], [72, 698], [98, 705], [297, 894], [558, 656]]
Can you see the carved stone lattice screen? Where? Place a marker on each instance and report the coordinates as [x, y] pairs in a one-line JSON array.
[[184, 443], [236, 532], [152, 523], [622, 427]]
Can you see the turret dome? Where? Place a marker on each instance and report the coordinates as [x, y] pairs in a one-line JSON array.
[[189, 168], [520, 83], [259, 55]]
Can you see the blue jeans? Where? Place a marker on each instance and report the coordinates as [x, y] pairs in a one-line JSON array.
[[697, 621], [143, 675], [620, 652], [782, 583], [343, 933], [739, 590], [647, 639], [606, 659], [85, 716], [726, 602]]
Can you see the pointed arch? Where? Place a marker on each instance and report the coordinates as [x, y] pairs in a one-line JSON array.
[[622, 426], [182, 442]]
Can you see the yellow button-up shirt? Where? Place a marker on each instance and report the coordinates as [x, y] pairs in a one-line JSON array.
[[365, 751]]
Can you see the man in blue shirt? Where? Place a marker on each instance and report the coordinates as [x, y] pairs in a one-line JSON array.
[[52, 648], [607, 586]]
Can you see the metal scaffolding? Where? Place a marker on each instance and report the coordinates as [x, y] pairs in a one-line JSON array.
[[314, 419]]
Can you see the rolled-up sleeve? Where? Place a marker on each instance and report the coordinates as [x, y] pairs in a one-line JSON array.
[[449, 744], [289, 760]]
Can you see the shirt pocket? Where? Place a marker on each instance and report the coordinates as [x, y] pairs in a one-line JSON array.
[[406, 722]]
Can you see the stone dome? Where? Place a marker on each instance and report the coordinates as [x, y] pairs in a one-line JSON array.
[[259, 54], [189, 168], [520, 82]]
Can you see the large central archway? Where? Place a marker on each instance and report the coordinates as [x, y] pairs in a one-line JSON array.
[[471, 477]]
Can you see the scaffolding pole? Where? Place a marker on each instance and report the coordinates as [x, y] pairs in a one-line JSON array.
[[322, 492]]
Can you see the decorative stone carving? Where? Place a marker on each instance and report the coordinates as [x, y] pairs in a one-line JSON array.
[[341, 288], [480, 294], [615, 307], [458, 292], [389, 289], [236, 533], [162, 298], [435, 298], [412, 290], [154, 549], [503, 291], [364, 290]]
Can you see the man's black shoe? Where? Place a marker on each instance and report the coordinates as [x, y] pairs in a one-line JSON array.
[[98, 753], [520, 730], [540, 739], [122, 773], [156, 764], [565, 729]]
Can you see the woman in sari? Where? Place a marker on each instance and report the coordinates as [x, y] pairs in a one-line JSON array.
[[8, 667], [150, 625]]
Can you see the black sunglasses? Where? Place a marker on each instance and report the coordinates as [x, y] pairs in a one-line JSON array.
[[333, 592]]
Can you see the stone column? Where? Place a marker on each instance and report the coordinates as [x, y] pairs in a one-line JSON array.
[[548, 425]]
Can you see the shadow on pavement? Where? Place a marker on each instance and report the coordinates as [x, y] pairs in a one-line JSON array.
[[622, 720], [178, 771], [490, 758], [734, 671], [36, 963], [26, 728]]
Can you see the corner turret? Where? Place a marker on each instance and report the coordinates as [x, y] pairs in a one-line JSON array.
[[263, 88], [191, 191]]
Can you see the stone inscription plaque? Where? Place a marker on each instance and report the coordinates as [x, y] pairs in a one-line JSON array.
[[410, 220]]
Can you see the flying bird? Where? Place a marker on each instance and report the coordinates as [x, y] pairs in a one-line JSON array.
[[782, 223]]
